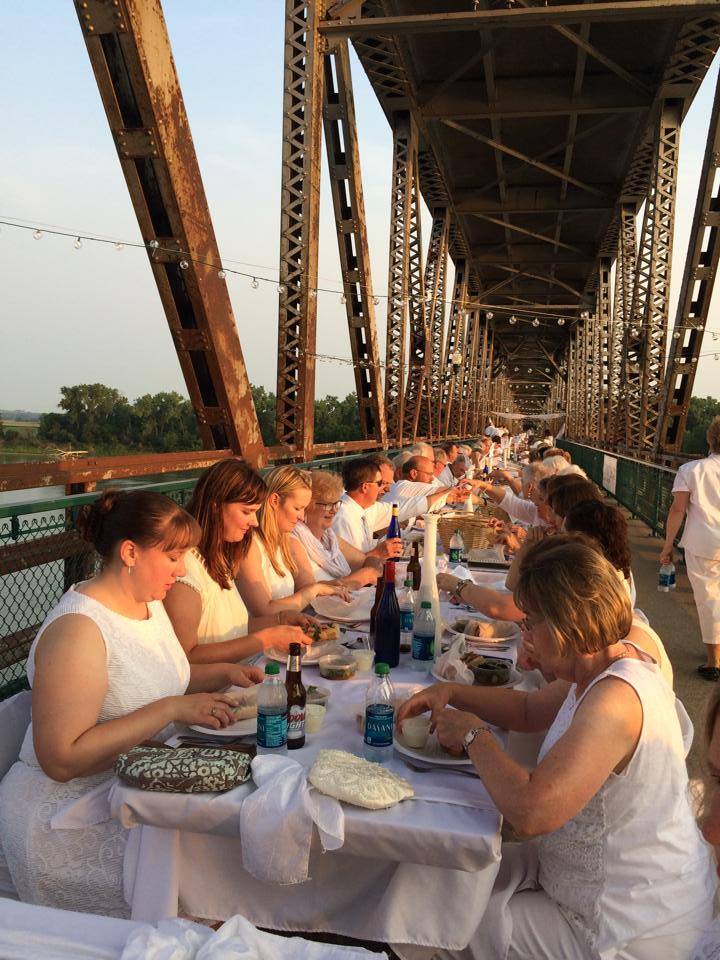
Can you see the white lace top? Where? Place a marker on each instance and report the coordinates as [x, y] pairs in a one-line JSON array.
[[224, 615], [279, 586], [632, 860]]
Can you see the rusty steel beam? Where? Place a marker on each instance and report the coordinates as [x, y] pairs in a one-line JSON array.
[[453, 343], [604, 336], [130, 53], [436, 267], [625, 265], [495, 19], [398, 277], [341, 143], [693, 307], [299, 226]]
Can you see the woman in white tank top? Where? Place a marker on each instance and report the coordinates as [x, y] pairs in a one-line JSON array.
[[617, 869], [267, 574], [107, 672]]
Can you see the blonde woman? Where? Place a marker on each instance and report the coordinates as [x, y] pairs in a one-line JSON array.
[[323, 555], [696, 493], [619, 869], [266, 576]]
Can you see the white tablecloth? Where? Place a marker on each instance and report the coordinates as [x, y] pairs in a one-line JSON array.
[[419, 873]]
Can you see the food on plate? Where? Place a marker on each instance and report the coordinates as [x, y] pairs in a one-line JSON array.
[[246, 702], [487, 671], [319, 695], [485, 630], [337, 667], [354, 780], [323, 633]]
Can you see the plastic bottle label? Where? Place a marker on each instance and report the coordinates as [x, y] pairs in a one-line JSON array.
[[296, 722], [379, 725], [423, 647], [455, 554], [272, 729], [665, 580], [406, 621]]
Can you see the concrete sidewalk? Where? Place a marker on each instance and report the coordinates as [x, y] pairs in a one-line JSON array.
[[674, 618]]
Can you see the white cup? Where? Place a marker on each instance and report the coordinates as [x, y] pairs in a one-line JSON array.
[[364, 659], [415, 731], [314, 717]]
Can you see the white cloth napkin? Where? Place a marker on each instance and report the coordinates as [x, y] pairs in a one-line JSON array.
[[87, 810], [451, 667], [276, 821], [237, 939]]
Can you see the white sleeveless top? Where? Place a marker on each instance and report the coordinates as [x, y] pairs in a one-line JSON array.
[[224, 615], [279, 586], [632, 862], [145, 661]]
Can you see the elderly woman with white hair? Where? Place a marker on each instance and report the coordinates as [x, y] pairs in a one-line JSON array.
[[322, 554], [696, 493], [530, 507]]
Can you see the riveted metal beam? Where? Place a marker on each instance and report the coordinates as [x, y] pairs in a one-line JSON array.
[[625, 266], [130, 53], [436, 267], [452, 355], [693, 308], [299, 226], [343, 155], [604, 338]]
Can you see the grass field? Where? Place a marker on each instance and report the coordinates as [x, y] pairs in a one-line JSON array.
[[25, 428]]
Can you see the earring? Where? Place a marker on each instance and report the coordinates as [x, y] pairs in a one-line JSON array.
[[130, 569]]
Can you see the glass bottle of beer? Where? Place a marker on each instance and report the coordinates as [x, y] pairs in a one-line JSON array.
[[413, 568], [296, 699]]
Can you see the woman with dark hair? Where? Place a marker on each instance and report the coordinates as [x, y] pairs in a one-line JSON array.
[[205, 607], [107, 672], [567, 495]]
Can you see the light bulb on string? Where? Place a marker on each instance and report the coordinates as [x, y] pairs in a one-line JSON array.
[[376, 300], [312, 294], [513, 320], [343, 299], [561, 321], [536, 322], [78, 243], [183, 264], [254, 283], [676, 335], [119, 245], [154, 244], [281, 289], [489, 314], [37, 234], [221, 274]]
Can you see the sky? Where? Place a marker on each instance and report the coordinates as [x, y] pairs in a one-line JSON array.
[[93, 315]]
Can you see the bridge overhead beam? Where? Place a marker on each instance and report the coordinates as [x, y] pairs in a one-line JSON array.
[[341, 142], [131, 57], [452, 356], [693, 309], [436, 268], [603, 359], [625, 267]]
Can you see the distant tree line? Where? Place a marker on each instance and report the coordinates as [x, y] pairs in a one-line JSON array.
[[701, 412], [100, 419]]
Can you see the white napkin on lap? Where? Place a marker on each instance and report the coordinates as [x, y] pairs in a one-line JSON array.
[[276, 821], [170, 940]]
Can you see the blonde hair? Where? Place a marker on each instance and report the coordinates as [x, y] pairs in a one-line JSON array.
[[578, 594], [713, 435], [283, 481], [327, 487]]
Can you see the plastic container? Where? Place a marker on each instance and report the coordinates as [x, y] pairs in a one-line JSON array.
[[272, 713], [337, 667]]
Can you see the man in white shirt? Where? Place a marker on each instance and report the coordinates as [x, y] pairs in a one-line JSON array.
[[417, 477], [360, 516]]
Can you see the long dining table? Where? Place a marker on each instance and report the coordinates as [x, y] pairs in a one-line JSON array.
[[420, 872]]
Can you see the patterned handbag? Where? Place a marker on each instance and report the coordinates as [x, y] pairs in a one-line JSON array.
[[187, 770]]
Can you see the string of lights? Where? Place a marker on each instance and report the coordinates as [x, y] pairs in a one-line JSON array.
[[520, 315]]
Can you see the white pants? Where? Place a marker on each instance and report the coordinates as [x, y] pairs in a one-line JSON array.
[[704, 577]]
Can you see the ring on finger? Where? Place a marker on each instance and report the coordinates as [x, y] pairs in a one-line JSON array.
[[212, 712]]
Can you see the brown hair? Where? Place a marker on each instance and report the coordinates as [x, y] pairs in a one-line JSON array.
[[576, 591], [606, 525], [568, 495], [283, 481], [148, 519], [555, 452], [358, 471], [228, 481]]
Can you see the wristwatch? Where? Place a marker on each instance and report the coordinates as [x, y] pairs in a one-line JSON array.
[[470, 736], [459, 587]]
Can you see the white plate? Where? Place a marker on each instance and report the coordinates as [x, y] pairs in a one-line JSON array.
[[515, 679], [308, 659], [335, 608], [432, 753], [238, 729], [482, 641]]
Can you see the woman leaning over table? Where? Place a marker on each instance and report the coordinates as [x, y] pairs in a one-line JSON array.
[[322, 554], [204, 605], [269, 577], [107, 672], [617, 867], [696, 493]]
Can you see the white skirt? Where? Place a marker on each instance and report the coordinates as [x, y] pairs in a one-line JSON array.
[[704, 577]]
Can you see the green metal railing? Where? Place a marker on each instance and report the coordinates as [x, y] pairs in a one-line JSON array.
[[645, 489], [41, 555]]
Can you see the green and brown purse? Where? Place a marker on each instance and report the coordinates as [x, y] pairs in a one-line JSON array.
[[186, 770]]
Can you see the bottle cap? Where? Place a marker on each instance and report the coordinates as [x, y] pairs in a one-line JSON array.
[[382, 669], [295, 650], [271, 669], [426, 605]]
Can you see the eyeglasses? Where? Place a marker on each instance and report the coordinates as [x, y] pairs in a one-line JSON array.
[[329, 507], [529, 625]]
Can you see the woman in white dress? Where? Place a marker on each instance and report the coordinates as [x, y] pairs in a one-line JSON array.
[[269, 577], [107, 672], [618, 868], [324, 555], [696, 499], [204, 606]]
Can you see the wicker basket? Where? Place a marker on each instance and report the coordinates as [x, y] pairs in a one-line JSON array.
[[474, 529]]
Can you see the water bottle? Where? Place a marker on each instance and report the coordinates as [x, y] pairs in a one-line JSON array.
[[393, 530], [457, 547], [406, 602], [272, 713], [666, 578], [387, 621], [379, 716], [423, 642]]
